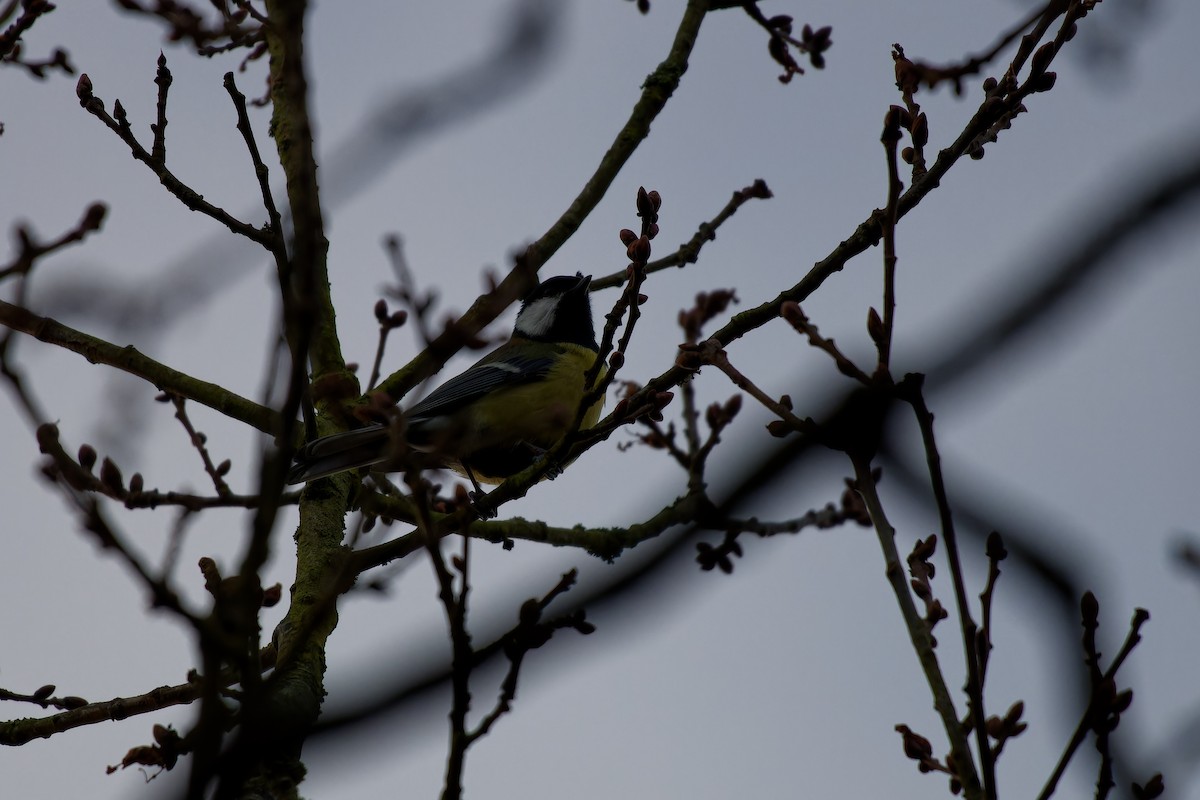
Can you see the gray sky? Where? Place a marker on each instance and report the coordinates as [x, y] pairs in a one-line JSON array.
[[783, 679]]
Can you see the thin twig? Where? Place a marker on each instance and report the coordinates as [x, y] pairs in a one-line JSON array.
[[454, 605], [17, 732], [162, 79], [796, 317], [530, 633], [664, 440], [911, 391], [883, 338], [30, 12], [32, 250], [15, 377], [274, 220], [918, 631], [712, 353], [417, 303], [689, 252], [1140, 617], [118, 123], [995, 554], [199, 442]]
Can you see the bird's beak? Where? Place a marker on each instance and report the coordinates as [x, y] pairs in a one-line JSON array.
[[582, 286]]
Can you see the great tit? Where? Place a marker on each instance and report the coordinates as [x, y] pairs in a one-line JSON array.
[[495, 419]]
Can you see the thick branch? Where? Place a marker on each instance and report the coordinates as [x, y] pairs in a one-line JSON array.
[[606, 543], [128, 359]]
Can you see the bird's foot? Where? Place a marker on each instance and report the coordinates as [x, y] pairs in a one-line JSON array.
[[473, 499], [539, 455]]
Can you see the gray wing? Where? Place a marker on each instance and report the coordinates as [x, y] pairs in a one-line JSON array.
[[477, 381], [372, 445]]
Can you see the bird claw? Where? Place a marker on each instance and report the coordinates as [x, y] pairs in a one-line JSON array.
[[473, 503], [539, 455], [473, 499]]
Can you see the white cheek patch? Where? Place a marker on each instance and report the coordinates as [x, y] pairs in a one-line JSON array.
[[537, 318]]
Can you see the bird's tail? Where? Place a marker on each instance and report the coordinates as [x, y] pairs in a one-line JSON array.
[[342, 451]]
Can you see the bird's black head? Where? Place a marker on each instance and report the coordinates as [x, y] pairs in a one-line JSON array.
[[559, 310]]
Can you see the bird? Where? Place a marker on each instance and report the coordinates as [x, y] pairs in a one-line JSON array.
[[500, 415]]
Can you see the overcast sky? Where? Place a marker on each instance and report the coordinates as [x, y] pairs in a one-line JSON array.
[[784, 679]]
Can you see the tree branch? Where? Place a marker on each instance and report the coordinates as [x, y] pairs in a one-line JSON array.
[[128, 359]]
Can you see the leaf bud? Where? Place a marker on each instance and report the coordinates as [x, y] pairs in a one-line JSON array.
[[778, 428], [896, 118], [995, 547], [1153, 788], [1089, 608], [1042, 58], [995, 727], [920, 130], [639, 251], [87, 456], [780, 22], [1044, 82], [94, 216], [874, 326], [83, 89], [110, 476], [271, 595]]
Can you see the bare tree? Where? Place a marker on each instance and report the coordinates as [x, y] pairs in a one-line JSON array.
[[258, 695]]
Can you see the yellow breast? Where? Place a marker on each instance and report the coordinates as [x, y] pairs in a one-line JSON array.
[[503, 434]]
